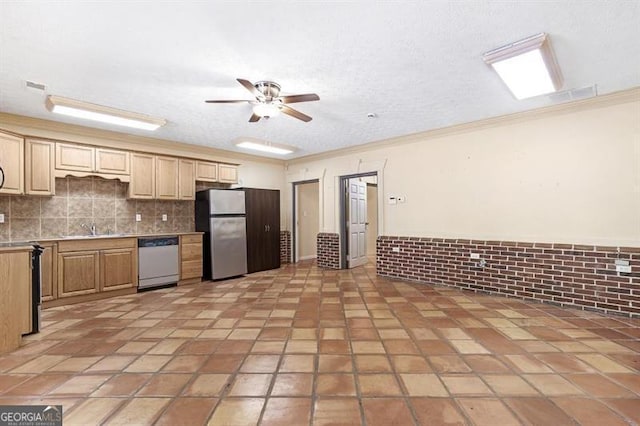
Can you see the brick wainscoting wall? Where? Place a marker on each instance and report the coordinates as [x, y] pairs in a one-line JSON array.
[[328, 250], [580, 276], [285, 247]]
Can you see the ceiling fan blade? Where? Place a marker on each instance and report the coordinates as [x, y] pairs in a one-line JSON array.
[[295, 113], [299, 98], [254, 118], [249, 86], [226, 101]]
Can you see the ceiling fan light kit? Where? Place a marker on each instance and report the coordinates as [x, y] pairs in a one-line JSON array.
[[104, 114], [528, 67], [268, 102]]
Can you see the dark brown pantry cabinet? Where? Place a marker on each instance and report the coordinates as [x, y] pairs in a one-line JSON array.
[[263, 228]]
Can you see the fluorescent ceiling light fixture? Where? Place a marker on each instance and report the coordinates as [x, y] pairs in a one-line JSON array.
[[266, 109], [269, 147], [104, 114], [528, 67]]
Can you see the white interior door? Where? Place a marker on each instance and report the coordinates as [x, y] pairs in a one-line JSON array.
[[357, 223]]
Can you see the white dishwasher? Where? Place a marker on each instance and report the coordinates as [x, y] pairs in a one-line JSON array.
[[157, 262]]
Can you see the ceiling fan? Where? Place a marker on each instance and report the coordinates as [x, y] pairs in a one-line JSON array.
[[268, 101]]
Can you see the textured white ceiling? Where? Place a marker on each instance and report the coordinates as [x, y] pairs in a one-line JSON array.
[[417, 65]]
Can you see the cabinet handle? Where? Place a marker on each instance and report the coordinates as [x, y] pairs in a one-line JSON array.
[[2, 178], [265, 228]]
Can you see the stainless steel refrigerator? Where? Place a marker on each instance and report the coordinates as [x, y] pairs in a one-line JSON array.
[[220, 214]]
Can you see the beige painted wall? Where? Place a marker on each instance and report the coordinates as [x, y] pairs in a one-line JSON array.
[[307, 215], [566, 174]]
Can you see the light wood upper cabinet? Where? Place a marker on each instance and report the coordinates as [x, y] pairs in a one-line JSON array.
[[143, 176], [75, 157], [78, 273], [39, 167], [166, 178], [112, 161], [186, 180], [118, 268], [12, 163], [206, 172], [227, 173]]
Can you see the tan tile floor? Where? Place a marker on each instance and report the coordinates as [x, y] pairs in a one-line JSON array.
[[301, 346]]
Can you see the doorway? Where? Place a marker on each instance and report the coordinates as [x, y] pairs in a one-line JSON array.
[[358, 219], [306, 219]]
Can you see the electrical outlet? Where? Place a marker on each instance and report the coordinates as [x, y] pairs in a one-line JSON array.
[[623, 268], [622, 262], [1, 217], [402, 199], [393, 199], [395, 249], [475, 256], [138, 217], [164, 217]]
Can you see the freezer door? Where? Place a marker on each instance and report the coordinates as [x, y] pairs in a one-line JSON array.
[[228, 246], [223, 201]]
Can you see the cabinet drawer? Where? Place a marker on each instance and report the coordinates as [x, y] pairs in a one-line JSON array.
[[191, 269], [191, 252], [96, 244], [190, 239]]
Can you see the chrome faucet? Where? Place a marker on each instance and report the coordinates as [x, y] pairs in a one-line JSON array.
[[91, 228]]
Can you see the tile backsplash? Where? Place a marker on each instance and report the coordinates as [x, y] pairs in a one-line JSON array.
[[89, 200]]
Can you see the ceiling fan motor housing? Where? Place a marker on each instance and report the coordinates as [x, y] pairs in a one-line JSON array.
[[268, 88]]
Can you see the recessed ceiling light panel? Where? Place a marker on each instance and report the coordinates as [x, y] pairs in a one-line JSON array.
[[88, 111], [264, 146], [528, 67]]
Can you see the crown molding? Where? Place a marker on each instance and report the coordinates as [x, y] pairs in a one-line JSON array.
[[54, 130], [621, 97]]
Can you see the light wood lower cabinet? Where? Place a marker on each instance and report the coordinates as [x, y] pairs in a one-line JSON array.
[[49, 271], [15, 297], [190, 257], [119, 268], [92, 266], [78, 273]]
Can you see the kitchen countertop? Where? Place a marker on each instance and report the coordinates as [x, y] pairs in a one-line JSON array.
[[27, 244], [16, 246]]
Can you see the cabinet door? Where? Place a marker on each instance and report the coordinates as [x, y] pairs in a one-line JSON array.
[[190, 256], [227, 173], [119, 269], [12, 163], [75, 157], [206, 172], [112, 161], [272, 215], [166, 178], [143, 176], [39, 167], [186, 180], [78, 273], [15, 298], [48, 274]]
